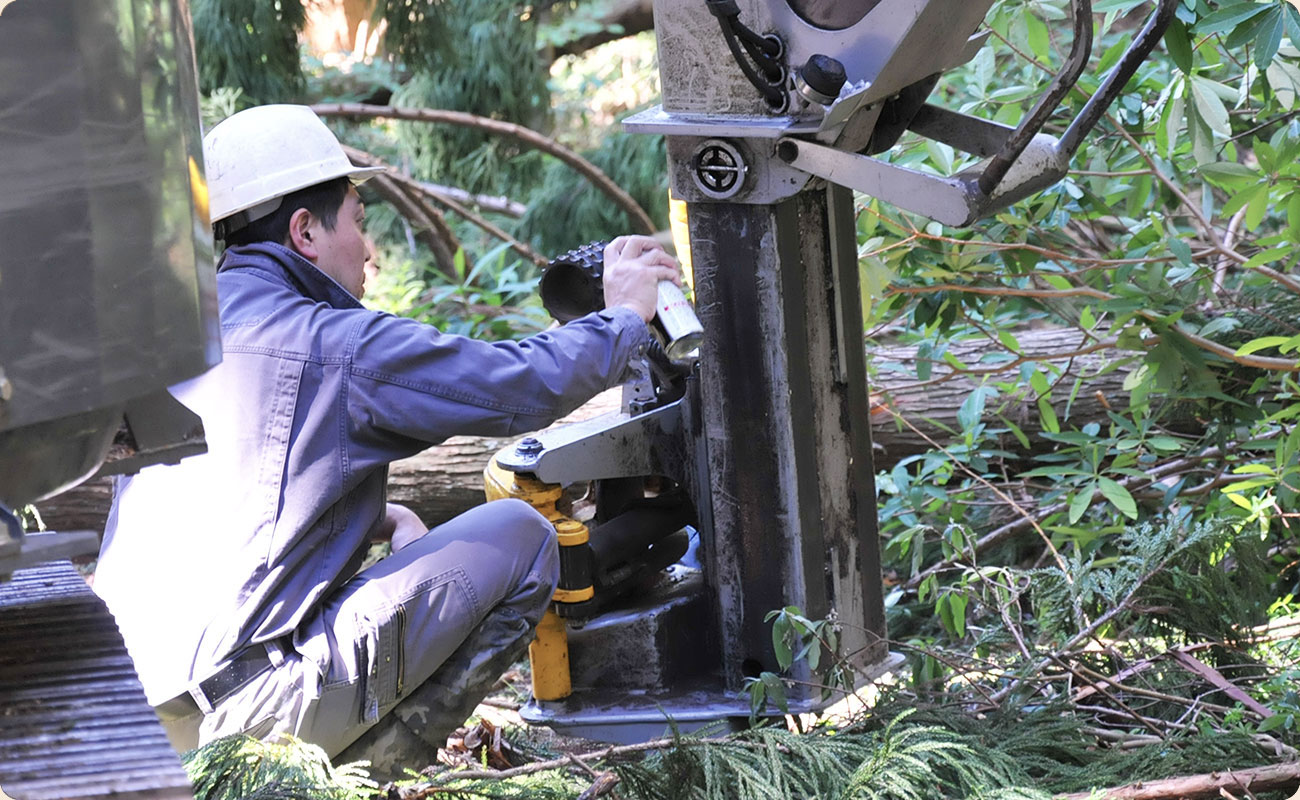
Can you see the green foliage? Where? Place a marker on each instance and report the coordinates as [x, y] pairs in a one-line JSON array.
[[565, 211], [250, 45], [496, 299], [898, 761], [1201, 581], [240, 767], [1050, 744], [481, 57]]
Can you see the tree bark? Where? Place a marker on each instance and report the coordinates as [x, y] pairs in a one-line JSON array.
[[447, 479], [1285, 777]]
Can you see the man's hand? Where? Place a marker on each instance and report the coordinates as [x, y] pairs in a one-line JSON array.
[[400, 525], [634, 265]]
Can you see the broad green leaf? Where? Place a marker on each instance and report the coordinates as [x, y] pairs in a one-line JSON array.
[[1238, 500], [757, 696], [1227, 174], [972, 409], [1237, 487], [1269, 38], [1267, 257], [1164, 443], [1272, 723], [1118, 497], [775, 691], [1038, 382], [1256, 209], [1262, 343], [1040, 42], [1122, 6], [1179, 45], [1253, 470], [1048, 415], [1080, 502], [1171, 123], [1228, 17], [1243, 197], [1015, 431], [781, 641], [1181, 250], [1293, 216], [1209, 106]]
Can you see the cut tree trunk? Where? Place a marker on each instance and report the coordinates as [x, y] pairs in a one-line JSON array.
[[447, 479]]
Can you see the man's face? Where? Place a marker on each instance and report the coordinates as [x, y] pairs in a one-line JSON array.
[[342, 253]]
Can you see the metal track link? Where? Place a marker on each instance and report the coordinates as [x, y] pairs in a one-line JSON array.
[[74, 722]]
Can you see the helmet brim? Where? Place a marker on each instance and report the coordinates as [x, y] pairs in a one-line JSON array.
[[362, 174]]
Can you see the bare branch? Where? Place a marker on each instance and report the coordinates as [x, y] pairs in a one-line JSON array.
[[526, 136], [1256, 779]]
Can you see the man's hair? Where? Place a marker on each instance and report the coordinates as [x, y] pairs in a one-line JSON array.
[[323, 200]]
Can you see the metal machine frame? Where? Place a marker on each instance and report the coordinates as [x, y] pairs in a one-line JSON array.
[[768, 433]]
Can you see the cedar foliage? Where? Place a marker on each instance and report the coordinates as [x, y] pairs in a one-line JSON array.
[[251, 45], [239, 767]]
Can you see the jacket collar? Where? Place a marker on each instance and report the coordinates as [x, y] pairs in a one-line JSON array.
[[284, 265]]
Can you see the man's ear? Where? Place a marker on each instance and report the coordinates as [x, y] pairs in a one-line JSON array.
[[300, 234]]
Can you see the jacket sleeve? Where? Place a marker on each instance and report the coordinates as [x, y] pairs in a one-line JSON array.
[[408, 379]]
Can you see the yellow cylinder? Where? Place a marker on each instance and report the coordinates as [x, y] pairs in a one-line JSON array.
[[549, 657], [549, 653], [680, 228]]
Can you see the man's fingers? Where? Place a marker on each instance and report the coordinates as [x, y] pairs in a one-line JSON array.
[[670, 274], [615, 247]]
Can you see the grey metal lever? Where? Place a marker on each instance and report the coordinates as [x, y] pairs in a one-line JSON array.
[[1024, 160]]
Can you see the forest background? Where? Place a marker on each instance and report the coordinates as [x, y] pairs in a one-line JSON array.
[[1091, 540]]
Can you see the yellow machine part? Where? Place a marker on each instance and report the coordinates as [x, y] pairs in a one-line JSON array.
[[677, 223], [548, 655]]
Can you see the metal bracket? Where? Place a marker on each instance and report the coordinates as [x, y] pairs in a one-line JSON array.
[[19, 550], [1024, 160], [11, 534], [613, 445]]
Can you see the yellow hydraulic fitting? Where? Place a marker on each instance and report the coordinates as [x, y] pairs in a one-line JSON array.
[[549, 652], [500, 483]]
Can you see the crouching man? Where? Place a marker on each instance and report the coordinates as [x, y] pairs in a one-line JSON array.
[[233, 575]]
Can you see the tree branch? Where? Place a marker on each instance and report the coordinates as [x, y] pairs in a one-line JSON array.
[[526, 136], [428, 222], [1257, 779], [412, 185]]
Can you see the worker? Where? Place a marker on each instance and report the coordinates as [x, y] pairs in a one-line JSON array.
[[234, 575]]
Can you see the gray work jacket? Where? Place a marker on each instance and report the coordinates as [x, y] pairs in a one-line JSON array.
[[315, 396]]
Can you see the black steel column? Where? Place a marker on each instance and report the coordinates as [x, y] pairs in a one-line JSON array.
[[785, 416]]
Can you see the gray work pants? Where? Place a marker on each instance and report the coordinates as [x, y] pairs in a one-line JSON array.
[[401, 654]]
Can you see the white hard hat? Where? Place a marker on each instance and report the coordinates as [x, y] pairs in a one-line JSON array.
[[257, 156]]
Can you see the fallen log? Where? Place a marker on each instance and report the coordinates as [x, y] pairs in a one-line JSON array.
[[1236, 783], [445, 480]]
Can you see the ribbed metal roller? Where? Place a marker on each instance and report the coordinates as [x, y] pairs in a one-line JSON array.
[[74, 722]]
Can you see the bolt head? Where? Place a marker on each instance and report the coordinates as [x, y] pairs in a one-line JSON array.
[[528, 446]]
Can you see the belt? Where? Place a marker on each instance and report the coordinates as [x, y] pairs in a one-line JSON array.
[[241, 669], [232, 677]]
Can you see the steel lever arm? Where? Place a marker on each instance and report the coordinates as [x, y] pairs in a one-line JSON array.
[[1024, 160]]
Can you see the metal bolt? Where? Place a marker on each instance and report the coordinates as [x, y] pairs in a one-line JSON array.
[[528, 446], [719, 169]]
